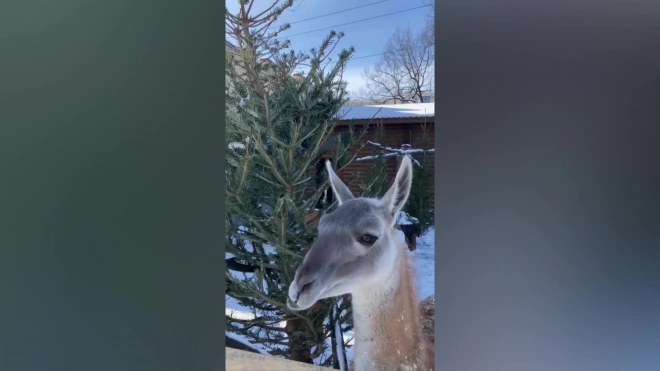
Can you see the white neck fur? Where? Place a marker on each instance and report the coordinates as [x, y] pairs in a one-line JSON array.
[[369, 302]]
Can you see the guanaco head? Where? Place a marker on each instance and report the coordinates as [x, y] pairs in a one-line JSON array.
[[356, 245]]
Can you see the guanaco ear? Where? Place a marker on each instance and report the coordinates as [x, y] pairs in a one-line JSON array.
[[397, 195], [339, 189]]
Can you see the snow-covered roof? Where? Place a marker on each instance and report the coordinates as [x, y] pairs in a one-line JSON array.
[[387, 111]]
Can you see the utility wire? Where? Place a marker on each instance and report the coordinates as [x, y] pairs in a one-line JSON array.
[[358, 21], [360, 57], [333, 13], [341, 11], [367, 56]]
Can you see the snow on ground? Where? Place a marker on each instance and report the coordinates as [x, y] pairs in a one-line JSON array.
[[422, 259], [403, 218], [268, 249]]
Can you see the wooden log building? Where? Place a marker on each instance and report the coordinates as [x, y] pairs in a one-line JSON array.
[[402, 124]]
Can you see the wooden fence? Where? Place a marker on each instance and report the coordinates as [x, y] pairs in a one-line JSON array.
[[240, 360]]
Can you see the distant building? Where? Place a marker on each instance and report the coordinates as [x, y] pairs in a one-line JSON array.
[[403, 124], [428, 97]]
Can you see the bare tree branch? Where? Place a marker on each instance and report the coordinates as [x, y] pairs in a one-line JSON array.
[[429, 28], [405, 72]]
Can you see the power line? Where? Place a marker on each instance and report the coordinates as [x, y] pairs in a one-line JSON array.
[[341, 11], [367, 56], [360, 57], [358, 21]]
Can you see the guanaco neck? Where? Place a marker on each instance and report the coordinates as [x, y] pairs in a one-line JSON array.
[[387, 323]]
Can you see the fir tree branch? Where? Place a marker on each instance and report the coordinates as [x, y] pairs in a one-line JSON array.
[[286, 121], [262, 296], [258, 322], [233, 264]]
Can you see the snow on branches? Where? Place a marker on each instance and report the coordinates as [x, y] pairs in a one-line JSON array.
[[406, 149]]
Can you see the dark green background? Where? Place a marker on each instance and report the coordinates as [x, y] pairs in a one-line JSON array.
[[111, 185]]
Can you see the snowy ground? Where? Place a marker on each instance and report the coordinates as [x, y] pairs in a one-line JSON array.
[[422, 259]]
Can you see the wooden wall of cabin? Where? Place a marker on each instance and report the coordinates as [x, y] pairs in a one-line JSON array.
[[395, 136]]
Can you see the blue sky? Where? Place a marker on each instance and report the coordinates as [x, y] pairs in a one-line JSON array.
[[368, 37]]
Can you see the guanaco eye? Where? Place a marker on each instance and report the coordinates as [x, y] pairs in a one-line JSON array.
[[368, 239]]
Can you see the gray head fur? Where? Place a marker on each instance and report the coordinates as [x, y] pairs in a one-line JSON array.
[[356, 245]]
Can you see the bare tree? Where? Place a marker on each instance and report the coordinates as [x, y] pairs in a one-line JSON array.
[[405, 71], [429, 27]]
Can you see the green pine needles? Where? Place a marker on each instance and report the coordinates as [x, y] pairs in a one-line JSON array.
[[277, 126]]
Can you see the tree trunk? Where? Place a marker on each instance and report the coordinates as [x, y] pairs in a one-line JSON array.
[[299, 352]]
